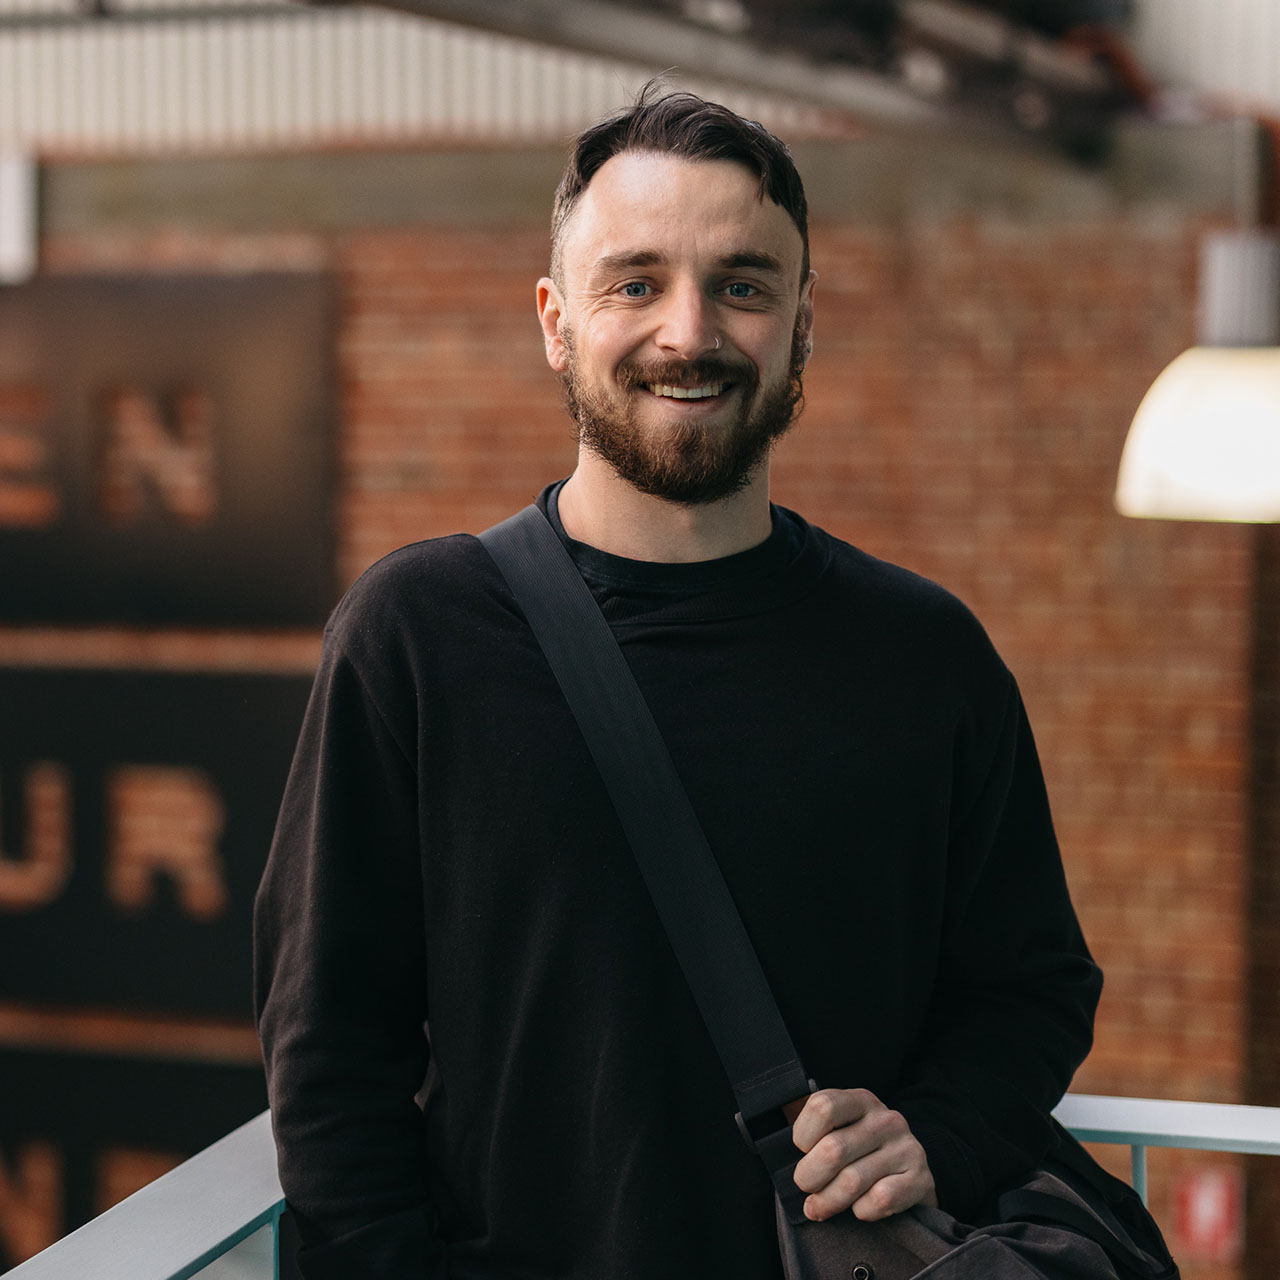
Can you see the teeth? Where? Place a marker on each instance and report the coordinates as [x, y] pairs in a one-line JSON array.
[[689, 393]]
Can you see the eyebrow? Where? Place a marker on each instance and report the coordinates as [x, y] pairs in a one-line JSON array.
[[745, 259], [613, 263], [751, 261]]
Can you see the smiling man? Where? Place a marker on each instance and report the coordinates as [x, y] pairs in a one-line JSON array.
[[483, 1059], [679, 316]]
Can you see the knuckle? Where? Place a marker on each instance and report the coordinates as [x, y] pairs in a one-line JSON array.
[[849, 1183], [823, 1106], [888, 1126], [879, 1199], [831, 1149]]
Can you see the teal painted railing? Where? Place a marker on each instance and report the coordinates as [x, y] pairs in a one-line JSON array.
[[1139, 1123], [217, 1216]]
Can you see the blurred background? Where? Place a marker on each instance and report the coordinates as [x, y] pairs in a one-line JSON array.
[[267, 313]]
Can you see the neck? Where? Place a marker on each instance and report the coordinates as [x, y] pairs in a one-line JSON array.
[[604, 511]]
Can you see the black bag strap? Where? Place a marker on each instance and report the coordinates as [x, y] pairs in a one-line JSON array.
[[679, 869]]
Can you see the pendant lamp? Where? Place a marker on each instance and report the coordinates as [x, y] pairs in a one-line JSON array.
[[1205, 442]]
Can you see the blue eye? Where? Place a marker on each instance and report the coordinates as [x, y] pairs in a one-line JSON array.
[[635, 289], [740, 289]]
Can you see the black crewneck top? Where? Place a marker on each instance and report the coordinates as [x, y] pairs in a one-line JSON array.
[[625, 589], [447, 857]]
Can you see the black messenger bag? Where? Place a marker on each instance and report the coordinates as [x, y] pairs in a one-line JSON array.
[[1070, 1220]]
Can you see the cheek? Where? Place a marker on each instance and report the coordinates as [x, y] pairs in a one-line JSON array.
[[773, 361], [764, 339], [609, 347]]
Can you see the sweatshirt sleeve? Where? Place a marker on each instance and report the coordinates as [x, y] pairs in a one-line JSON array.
[[1012, 1013], [340, 987]]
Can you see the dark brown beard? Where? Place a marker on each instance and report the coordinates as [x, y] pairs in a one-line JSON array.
[[688, 464]]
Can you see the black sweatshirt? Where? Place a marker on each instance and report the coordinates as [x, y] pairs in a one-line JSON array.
[[446, 855]]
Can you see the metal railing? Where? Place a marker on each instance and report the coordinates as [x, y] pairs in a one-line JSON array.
[[1139, 1123], [217, 1216]]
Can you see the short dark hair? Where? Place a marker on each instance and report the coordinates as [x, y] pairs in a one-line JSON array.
[[685, 125]]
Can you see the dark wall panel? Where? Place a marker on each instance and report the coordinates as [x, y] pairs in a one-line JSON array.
[[165, 449], [136, 810]]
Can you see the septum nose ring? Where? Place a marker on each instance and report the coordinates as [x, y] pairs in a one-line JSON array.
[[717, 346]]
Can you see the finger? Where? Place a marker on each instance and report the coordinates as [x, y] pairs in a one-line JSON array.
[[830, 1109], [877, 1130], [852, 1183], [894, 1194], [833, 1153], [871, 1197]]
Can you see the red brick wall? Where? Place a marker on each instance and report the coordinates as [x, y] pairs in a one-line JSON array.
[[969, 398], [451, 416], [967, 403]]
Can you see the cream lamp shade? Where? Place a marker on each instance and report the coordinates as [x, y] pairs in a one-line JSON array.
[[1205, 442]]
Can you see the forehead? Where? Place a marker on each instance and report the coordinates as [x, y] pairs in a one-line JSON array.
[[682, 211]]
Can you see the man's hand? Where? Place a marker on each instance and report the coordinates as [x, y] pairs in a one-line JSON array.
[[859, 1155]]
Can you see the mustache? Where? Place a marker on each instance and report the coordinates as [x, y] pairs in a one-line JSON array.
[[705, 369]]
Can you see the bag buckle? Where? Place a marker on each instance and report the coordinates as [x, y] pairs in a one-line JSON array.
[[763, 1130]]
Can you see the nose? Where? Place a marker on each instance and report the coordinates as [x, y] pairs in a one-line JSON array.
[[687, 325]]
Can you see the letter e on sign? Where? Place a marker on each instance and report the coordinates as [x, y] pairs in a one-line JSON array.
[[28, 497], [165, 821]]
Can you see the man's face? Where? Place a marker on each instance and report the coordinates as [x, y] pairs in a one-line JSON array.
[[680, 324]]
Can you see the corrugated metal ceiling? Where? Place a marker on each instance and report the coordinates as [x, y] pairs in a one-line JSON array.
[[284, 75], [271, 74]]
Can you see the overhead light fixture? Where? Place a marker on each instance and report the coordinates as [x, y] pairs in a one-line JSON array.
[[1205, 442], [18, 219]]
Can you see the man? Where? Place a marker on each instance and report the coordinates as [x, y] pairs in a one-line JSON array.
[[450, 896]]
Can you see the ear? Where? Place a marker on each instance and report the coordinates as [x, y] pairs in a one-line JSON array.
[[551, 317], [806, 310]]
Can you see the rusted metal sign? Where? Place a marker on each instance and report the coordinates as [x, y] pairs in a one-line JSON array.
[[136, 810], [165, 449]]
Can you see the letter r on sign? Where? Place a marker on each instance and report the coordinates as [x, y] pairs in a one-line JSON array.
[[165, 821]]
